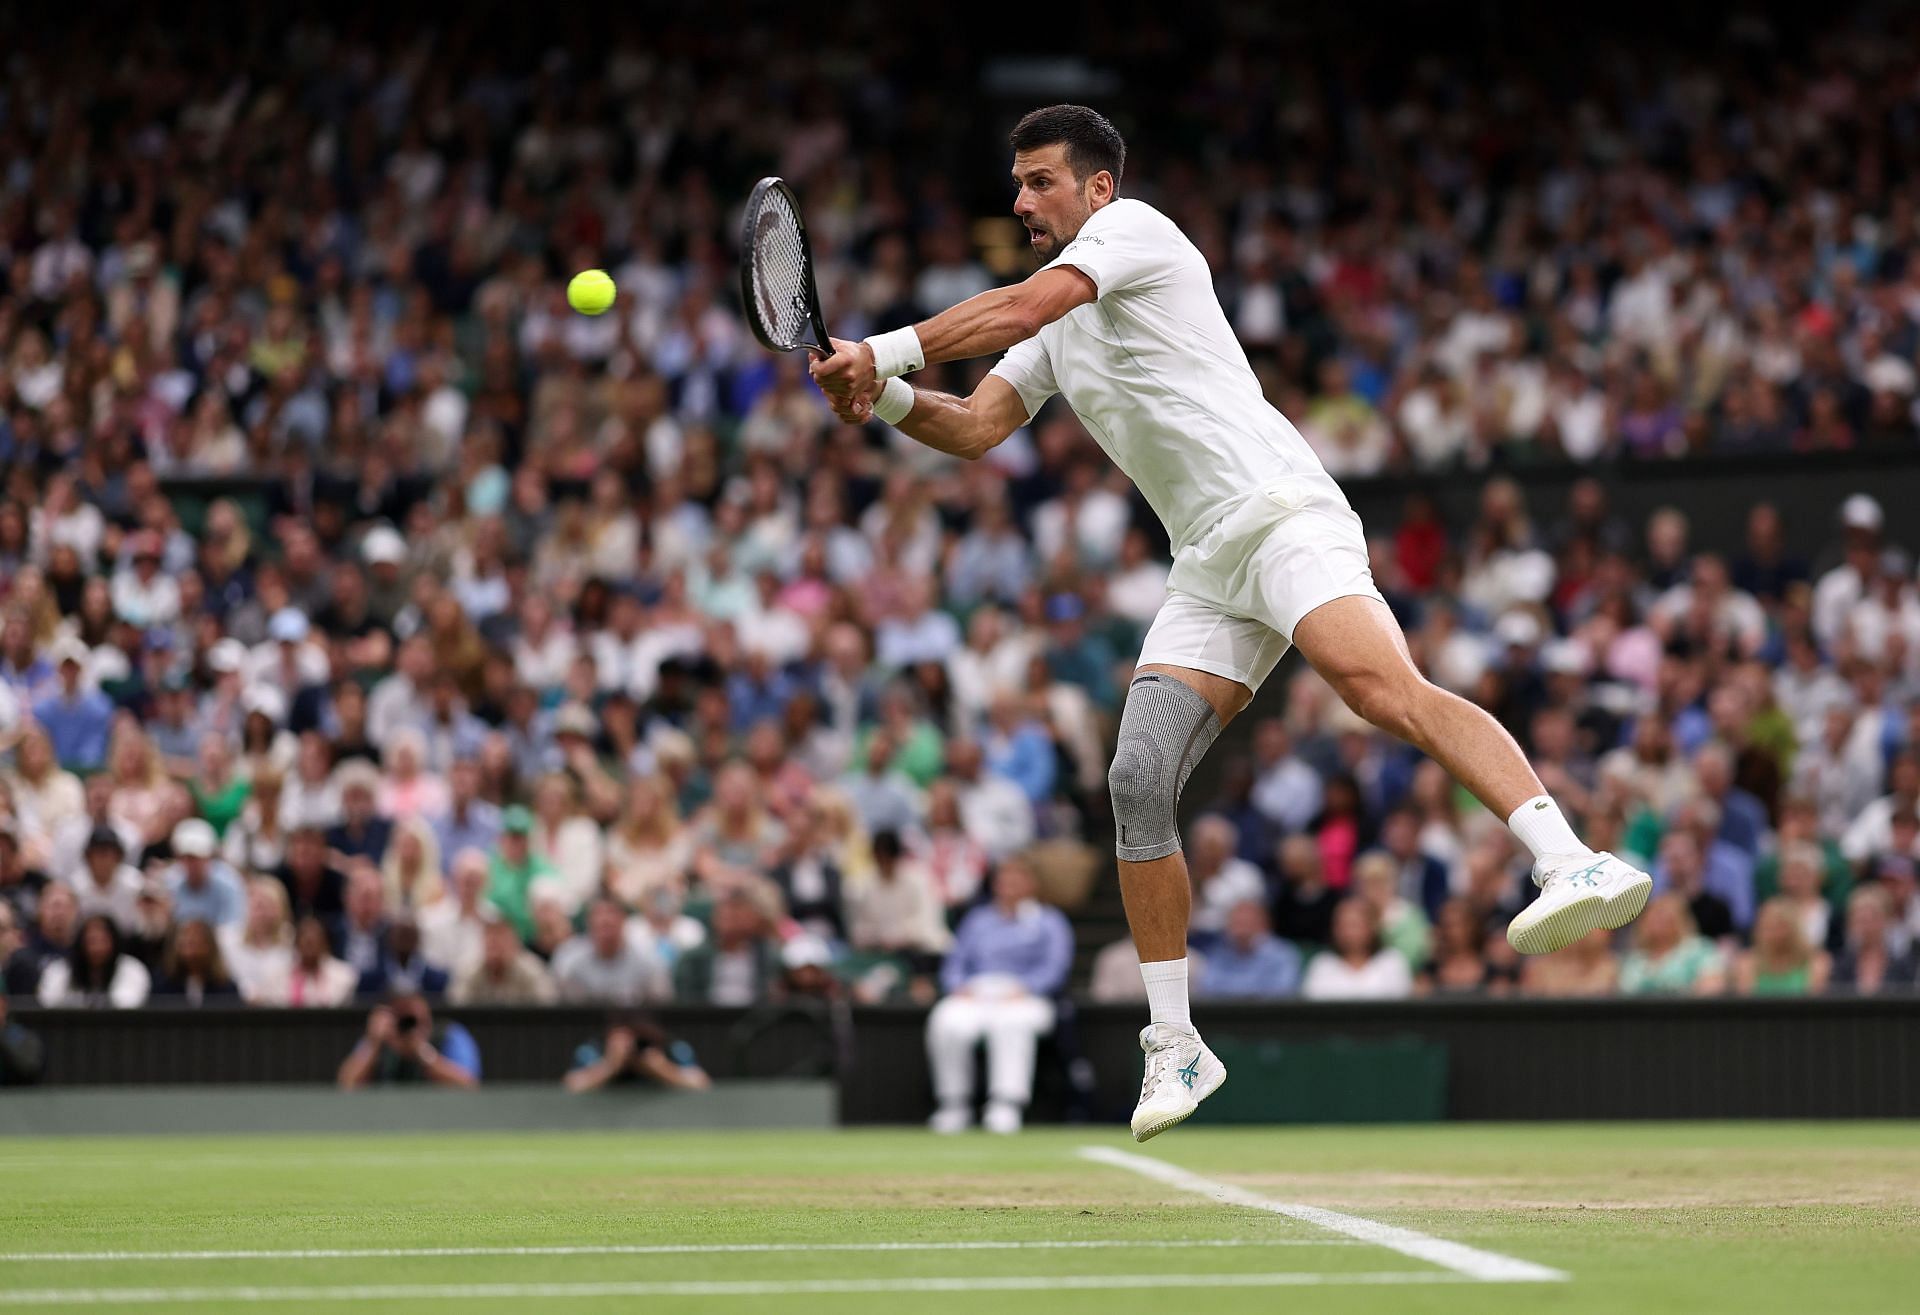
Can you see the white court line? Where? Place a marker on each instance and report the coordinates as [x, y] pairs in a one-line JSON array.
[[772, 1288], [1472, 1262], [663, 1249]]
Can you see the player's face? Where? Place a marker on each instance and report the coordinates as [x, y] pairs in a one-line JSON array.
[[1052, 203]]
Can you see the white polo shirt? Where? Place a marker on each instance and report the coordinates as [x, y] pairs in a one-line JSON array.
[[1154, 372]]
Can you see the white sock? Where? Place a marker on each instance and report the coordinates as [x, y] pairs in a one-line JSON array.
[[1166, 981], [1542, 828]]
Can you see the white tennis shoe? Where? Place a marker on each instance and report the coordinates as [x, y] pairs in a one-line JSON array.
[[1181, 1072], [1578, 892]]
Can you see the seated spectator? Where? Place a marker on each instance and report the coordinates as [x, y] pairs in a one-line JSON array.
[[258, 951], [1460, 965], [738, 965], [52, 937], [20, 882], [361, 832], [1009, 961], [808, 877], [568, 839], [1681, 867], [108, 884], [1356, 966], [192, 971], [219, 791], [403, 1044], [451, 930], [411, 870], [95, 974], [506, 973], [648, 847], [42, 789], [400, 965], [75, 717], [994, 812], [13, 944], [1376, 879], [1866, 963], [1249, 962], [1017, 746], [635, 1049], [315, 887], [1585, 968], [956, 862], [897, 910], [884, 798], [606, 966], [256, 840], [316, 979], [203, 888], [1419, 877], [514, 869], [1782, 960], [1221, 880], [1303, 910], [408, 791], [470, 821], [1669, 955], [363, 931], [1801, 875], [22, 1054]]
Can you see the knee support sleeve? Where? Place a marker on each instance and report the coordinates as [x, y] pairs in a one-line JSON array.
[[1164, 731]]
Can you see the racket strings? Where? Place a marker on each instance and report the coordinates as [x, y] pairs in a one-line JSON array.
[[780, 272]]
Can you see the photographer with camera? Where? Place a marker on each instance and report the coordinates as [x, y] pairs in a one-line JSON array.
[[403, 1044]]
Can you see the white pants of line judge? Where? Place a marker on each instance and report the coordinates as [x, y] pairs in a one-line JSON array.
[[1011, 1021]]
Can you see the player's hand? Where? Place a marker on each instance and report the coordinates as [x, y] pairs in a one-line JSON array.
[[855, 410], [848, 372]]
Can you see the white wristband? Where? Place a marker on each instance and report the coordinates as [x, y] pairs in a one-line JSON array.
[[895, 400], [897, 353]]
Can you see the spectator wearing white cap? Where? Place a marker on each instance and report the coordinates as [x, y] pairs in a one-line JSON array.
[[385, 553], [204, 887], [1846, 584]]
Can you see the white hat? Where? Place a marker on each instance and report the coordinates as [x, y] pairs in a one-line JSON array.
[[267, 701], [1564, 657], [70, 649], [1517, 630], [1861, 512], [574, 719], [289, 625], [227, 655], [806, 952], [383, 544], [193, 838]]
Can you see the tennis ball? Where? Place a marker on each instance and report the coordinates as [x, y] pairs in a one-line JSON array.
[[590, 292]]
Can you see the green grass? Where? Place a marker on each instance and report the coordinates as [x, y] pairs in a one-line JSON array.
[[1686, 1218]]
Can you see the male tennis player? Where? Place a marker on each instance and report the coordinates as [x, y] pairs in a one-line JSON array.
[[1122, 321]]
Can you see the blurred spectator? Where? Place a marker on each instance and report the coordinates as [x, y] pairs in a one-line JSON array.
[[400, 964], [897, 910], [1459, 963], [1221, 881], [635, 1048], [403, 1044], [107, 884], [514, 869], [1009, 961], [95, 973], [1585, 968], [738, 965], [22, 1054], [505, 973], [203, 888], [451, 929], [192, 970], [1403, 927], [258, 951], [1866, 963], [1303, 910], [1249, 962], [1782, 960], [1669, 955], [315, 980], [75, 718], [1116, 973], [606, 966], [1356, 966]]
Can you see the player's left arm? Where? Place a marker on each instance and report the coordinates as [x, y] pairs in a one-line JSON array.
[[979, 326]]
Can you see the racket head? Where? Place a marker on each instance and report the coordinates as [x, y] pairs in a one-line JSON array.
[[776, 273]]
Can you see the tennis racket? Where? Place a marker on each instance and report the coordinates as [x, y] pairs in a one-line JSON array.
[[776, 273]]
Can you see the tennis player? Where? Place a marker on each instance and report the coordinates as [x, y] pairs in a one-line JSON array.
[[1121, 320]]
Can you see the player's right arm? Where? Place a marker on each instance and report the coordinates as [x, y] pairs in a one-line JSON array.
[[966, 427]]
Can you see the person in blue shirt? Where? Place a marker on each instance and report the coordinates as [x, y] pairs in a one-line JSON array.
[[1009, 961], [1019, 748], [204, 888], [1249, 962], [77, 720]]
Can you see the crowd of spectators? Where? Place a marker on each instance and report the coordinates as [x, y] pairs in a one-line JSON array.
[[371, 623]]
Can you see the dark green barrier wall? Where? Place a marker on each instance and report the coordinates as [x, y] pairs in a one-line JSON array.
[[1484, 1059]]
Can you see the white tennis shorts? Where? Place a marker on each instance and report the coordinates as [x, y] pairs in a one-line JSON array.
[[1236, 592]]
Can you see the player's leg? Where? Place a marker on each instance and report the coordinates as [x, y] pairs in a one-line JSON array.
[[1198, 668], [1355, 643], [954, 1029], [1014, 1029]]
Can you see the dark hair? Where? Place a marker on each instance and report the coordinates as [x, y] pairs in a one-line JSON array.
[[1092, 142]]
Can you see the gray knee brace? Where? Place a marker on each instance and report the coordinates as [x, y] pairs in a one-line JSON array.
[[1164, 731]]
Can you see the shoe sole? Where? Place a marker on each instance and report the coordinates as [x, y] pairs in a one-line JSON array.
[[1153, 1130], [1562, 927], [1625, 906]]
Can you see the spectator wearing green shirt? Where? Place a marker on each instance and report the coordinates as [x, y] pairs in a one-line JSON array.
[[1800, 824], [219, 792], [514, 868], [1670, 956]]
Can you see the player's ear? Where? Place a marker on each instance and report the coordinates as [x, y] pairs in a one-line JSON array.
[[1100, 189]]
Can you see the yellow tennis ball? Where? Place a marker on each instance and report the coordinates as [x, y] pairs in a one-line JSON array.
[[591, 291]]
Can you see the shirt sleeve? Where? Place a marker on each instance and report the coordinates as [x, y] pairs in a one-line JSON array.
[[1120, 247], [1056, 958], [1028, 369], [458, 1048]]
